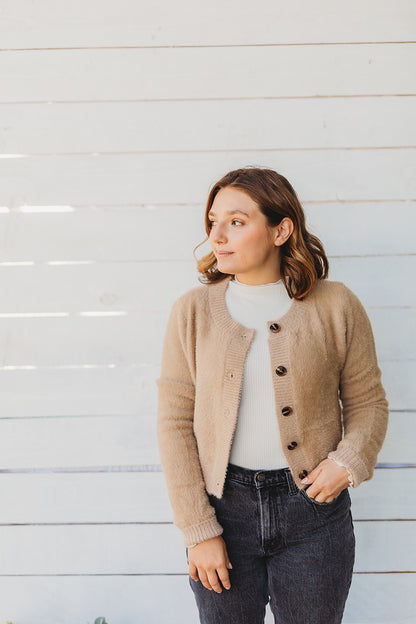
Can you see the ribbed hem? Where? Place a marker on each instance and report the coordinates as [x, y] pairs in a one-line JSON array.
[[200, 532]]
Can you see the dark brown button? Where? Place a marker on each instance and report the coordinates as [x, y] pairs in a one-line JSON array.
[[292, 445], [303, 474], [275, 327], [281, 370], [260, 477], [287, 410]]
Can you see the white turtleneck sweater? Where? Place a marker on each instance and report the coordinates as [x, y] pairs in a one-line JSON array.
[[256, 442]]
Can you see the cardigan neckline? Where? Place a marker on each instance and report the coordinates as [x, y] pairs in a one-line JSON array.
[[222, 317]]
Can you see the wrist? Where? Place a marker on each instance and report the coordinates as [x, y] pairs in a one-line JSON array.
[[349, 475]]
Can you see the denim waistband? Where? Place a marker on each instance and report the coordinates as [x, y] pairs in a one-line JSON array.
[[261, 478]]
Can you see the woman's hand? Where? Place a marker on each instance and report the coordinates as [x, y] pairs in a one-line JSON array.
[[328, 480], [209, 561]]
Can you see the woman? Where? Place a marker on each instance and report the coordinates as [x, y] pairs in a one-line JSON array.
[[270, 406]]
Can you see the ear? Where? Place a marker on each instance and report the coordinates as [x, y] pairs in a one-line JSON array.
[[283, 231]]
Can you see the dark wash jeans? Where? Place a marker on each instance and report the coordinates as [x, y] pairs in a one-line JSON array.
[[284, 547]]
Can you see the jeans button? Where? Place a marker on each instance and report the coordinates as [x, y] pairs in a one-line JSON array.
[[260, 477]]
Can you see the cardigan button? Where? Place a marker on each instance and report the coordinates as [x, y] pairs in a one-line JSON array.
[[275, 327], [303, 474], [287, 410], [281, 370], [292, 445]]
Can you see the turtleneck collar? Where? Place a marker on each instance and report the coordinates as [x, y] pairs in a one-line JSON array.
[[248, 288]]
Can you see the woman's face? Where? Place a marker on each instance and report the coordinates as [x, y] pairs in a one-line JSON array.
[[241, 239]]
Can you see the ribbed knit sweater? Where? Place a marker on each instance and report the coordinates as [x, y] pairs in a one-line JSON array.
[[329, 398]]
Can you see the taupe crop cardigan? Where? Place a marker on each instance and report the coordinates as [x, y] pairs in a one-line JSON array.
[[328, 393]]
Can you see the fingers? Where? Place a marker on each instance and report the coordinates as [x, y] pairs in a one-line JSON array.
[[214, 581], [322, 494], [224, 577], [319, 497], [209, 563], [313, 474], [193, 572], [210, 580], [327, 481]]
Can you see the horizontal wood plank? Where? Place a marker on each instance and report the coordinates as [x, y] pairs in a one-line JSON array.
[[78, 391], [193, 72], [359, 122], [126, 23], [331, 175]]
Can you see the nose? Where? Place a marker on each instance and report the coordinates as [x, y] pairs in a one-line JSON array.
[[218, 234]]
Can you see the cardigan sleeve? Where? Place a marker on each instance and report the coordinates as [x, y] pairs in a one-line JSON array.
[[363, 398], [178, 450]]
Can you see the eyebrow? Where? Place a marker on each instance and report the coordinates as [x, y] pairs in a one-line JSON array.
[[230, 212]]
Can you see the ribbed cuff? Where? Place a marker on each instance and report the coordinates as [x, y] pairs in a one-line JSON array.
[[197, 533]]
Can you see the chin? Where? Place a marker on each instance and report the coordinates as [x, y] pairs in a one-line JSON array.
[[226, 269]]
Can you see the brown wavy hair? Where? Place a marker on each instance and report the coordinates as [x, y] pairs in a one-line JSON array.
[[302, 257]]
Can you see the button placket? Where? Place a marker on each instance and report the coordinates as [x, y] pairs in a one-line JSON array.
[[282, 371]]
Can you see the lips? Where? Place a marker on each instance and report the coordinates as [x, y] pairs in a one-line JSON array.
[[224, 253]]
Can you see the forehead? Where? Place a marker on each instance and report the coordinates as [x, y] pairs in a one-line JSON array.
[[229, 200]]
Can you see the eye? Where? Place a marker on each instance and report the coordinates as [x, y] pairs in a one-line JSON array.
[[211, 222]]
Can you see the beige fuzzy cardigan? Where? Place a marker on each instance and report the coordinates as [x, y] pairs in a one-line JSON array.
[[328, 393]]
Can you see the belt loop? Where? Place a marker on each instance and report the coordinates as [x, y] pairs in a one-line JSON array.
[[293, 488]]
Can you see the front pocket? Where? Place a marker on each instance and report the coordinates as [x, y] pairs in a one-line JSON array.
[[315, 502]]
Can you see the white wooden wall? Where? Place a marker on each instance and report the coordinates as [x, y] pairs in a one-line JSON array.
[[115, 119]]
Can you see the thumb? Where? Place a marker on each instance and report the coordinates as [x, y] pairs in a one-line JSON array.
[[229, 566]]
